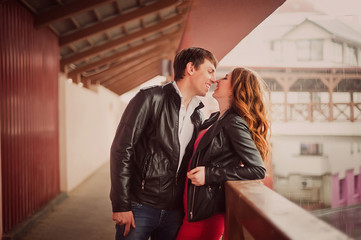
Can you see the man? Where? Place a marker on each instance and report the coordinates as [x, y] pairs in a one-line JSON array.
[[152, 147]]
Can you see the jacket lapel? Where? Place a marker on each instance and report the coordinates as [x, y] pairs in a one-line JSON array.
[[212, 131]]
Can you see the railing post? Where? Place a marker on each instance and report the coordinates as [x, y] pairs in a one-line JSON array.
[[310, 109], [352, 117], [286, 106], [330, 104]]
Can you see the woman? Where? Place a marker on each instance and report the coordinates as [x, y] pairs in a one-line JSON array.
[[232, 145]]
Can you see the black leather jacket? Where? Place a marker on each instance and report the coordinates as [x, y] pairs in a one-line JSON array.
[[145, 151], [228, 153]]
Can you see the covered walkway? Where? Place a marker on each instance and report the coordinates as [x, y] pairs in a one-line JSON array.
[[84, 214]]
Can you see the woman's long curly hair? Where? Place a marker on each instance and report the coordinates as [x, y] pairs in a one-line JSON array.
[[250, 102]]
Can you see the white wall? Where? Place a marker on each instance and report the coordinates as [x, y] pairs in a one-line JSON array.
[[88, 120], [341, 148], [341, 152]]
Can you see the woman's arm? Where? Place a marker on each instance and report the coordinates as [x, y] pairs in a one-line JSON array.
[[249, 164]]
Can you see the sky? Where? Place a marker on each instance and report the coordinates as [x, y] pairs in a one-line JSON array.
[[338, 8], [348, 11]]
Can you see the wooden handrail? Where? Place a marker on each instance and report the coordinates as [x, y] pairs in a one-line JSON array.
[[254, 211]]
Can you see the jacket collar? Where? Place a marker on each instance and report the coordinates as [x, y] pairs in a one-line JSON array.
[[170, 89], [213, 130]]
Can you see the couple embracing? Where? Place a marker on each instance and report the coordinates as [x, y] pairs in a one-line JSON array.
[[168, 166]]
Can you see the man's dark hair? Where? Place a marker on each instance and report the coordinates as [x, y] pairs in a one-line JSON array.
[[195, 55]]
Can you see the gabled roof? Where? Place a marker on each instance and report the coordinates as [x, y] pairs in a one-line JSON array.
[[334, 27], [338, 28]]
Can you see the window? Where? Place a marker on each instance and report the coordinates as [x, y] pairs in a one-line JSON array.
[[356, 177], [276, 49], [342, 188], [351, 55], [336, 52], [309, 50], [311, 149]]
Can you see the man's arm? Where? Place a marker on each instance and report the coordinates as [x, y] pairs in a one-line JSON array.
[[131, 125]]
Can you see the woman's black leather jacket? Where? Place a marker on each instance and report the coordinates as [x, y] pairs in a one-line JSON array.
[[145, 151], [228, 153]]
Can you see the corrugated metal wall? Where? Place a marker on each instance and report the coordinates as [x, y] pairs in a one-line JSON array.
[[29, 114]]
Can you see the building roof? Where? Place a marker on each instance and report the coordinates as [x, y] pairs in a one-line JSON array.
[[338, 28], [331, 25]]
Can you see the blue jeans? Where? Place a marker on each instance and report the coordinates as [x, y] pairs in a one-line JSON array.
[[157, 223]]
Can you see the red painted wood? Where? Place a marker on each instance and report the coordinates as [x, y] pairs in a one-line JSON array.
[[29, 68]]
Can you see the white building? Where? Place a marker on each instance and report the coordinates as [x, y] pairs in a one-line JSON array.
[[312, 64]]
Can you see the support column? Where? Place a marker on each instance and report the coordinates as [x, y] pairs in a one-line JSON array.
[[286, 104], [350, 188], [1, 193], [352, 116], [310, 109], [330, 104]]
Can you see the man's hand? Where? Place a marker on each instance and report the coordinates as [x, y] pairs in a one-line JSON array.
[[126, 218], [197, 176]]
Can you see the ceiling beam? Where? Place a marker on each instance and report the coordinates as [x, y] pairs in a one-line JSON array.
[[123, 65], [149, 64], [123, 89], [117, 21], [134, 80], [65, 11], [155, 43], [138, 68], [124, 40], [139, 81]]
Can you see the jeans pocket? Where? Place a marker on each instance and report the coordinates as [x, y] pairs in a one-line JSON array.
[[136, 205]]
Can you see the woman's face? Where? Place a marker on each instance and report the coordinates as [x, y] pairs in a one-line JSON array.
[[224, 88]]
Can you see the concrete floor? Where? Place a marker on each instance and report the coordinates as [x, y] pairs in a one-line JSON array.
[[84, 215]]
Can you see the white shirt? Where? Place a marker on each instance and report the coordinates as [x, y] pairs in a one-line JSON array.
[[185, 127]]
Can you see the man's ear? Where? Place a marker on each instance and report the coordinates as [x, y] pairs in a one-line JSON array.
[[190, 68]]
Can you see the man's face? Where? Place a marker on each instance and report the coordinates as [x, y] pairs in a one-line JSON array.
[[203, 77]]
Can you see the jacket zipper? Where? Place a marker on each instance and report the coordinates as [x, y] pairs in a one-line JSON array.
[[146, 165], [143, 179], [194, 191]]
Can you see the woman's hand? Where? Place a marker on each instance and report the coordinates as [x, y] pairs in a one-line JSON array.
[[197, 176]]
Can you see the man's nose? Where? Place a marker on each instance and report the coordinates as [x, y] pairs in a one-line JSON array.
[[216, 80]]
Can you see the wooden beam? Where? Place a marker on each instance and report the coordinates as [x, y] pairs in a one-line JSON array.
[[124, 65], [155, 43], [124, 40], [126, 84], [137, 82], [127, 79], [141, 68], [137, 68], [116, 22], [66, 11]]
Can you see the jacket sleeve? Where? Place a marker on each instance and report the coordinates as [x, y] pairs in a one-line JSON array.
[[246, 152], [131, 125]]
